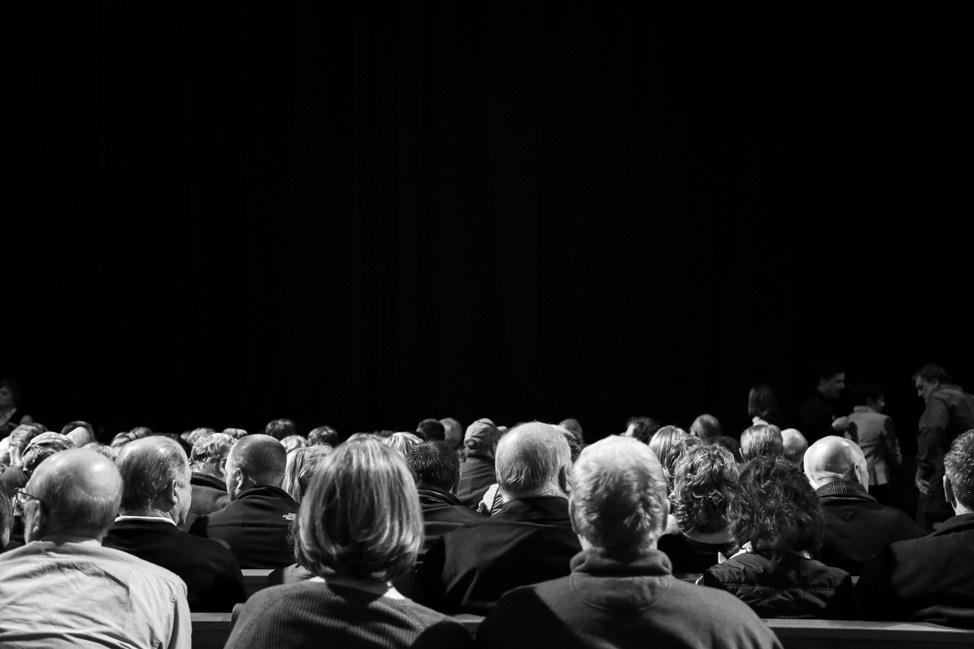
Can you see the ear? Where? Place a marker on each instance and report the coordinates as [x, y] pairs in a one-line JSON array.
[[171, 493], [949, 492], [564, 479], [571, 514], [35, 524], [223, 465]]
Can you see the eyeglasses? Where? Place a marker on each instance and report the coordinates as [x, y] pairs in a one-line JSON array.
[[21, 498]]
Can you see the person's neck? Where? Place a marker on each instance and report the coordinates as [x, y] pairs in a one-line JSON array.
[[369, 585], [146, 513]]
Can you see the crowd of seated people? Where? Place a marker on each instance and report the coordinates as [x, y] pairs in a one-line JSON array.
[[657, 533]]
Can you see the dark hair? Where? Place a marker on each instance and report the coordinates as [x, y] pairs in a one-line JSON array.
[[761, 439], [434, 464], [729, 443], [829, 368], [643, 428], [704, 488], [323, 435], [16, 391], [959, 467], [673, 453], [931, 373], [776, 508], [761, 401], [431, 430], [865, 390], [280, 428]]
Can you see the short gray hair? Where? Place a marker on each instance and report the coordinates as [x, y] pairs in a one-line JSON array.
[[147, 467], [208, 448], [83, 510], [619, 493], [529, 458]]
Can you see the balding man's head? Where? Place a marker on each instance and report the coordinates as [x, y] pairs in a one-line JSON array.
[[77, 493], [619, 495], [156, 478], [835, 458], [255, 461], [533, 459], [794, 444]]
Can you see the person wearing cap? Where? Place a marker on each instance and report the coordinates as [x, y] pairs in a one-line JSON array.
[[63, 588], [477, 469], [529, 540]]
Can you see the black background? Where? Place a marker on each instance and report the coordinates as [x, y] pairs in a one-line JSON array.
[[366, 213]]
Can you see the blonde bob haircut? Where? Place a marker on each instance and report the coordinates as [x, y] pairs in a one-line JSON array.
[[360, 517]]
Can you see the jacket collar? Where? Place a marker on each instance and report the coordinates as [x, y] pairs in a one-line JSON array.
[[608, 579], [263, 491], [959, 523], [429, 495], [544, 510], [843, 491], [207, 480]]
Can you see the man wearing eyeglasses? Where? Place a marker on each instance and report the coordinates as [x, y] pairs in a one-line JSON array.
[[63, 589]]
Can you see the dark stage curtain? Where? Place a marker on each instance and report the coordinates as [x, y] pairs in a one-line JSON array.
[[367, 213]]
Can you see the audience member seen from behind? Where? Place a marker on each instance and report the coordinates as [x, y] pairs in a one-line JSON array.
[[256, 521], [324, 435], [156, 497], [572, 425], [948, 412], [10, 414], [706, 427], [856, 526], [877, 437], [620, 592], [292, 442], [793, 445], [360, 528], [280, 428], [762, 406], [641, 428], [402, 442], [301, 465], [761, 440], [452, 432], [208, 461], [930, 579], [704, 488], [63, 588], [528, 540], [477, 469], [778, 521], [431, 430]]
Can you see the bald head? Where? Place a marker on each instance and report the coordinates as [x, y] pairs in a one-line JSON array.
[[255, 461], [794, 444], [79, 492], [834, 458], [533, 459]]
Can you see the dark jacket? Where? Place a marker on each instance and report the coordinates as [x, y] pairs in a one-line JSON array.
[[442, 513], [476, 475], [528, 541], [690, 557], [929, 579], [795, 588], [209, 495], [255, 525], [857, 527], [213, 578], [611, 602], [948, 413], [815, 416]]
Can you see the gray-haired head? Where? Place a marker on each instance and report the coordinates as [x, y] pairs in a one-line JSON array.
[[761, 439], [255, 461], [619, 495], [794, 444], [533, 459], [76, 493], [155, 477]]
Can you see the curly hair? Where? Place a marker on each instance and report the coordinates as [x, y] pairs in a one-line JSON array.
[[776, 508], [662, 443], [704, 488]]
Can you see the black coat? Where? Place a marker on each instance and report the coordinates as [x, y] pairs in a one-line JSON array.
[[213, 579]]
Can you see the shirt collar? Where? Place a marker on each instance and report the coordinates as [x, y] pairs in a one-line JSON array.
[[122, 519]]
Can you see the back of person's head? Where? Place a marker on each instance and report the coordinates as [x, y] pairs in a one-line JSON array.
[[256, 461], [402, 442], [102, 449], [675, 451], [301, 465], [572, 425], [236, 433], [452, 432], [280, 428], [619, 495], [833, 458], [80, 436], [533, 459], [79, 492], [79, 423], [794, 445], [434, 464], [323, 435], [762, 401], [731, 444], [575, 443], [6, 515], [190, 437], [481, 438], [866, 390], [704, 487], [706, 427], [932, 374], [959, 469], [828, 368], [431, 430], [776, 508], [149, 467], [21, 436], [664, 439], [292, 442], [642, 428], [42, 447], [761, 439], [361, 517], [209, 453]]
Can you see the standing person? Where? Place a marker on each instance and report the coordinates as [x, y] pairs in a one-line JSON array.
[[949, 412], [877, 437], [817, 418], [10, 416]]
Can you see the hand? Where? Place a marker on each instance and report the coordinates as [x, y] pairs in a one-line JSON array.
[[840, 423], [922, 485]]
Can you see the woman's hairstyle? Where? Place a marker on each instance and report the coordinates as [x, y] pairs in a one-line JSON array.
[[761, 439], [704, 488], [361, 516], [301, 465], [663, 442], [762, 402], [642, 428], [292, 442], [402, 441], [776, 508]]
